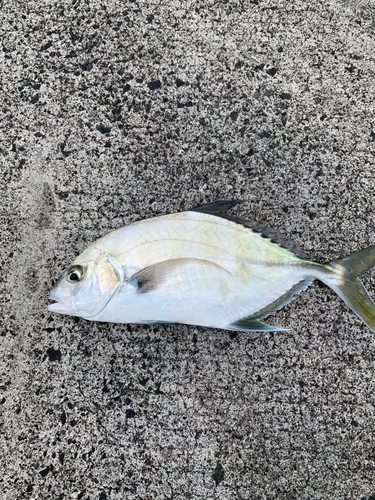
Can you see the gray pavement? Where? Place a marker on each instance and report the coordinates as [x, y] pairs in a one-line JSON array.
[[112, 112]]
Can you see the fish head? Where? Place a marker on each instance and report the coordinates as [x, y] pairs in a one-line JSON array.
[[87, 285]]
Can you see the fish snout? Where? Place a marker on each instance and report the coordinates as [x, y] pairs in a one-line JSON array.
[[61, 305]]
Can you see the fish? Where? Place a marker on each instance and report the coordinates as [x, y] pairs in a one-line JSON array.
[[202, 267]]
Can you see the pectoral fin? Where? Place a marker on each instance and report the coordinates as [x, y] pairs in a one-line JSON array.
[[154, 276]]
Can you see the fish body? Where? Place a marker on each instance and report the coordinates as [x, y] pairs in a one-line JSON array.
[[200, 267]]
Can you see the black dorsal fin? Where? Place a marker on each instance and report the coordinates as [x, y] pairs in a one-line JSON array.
[[219, 209]]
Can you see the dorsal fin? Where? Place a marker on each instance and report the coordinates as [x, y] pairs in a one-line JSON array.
[[219, 209]]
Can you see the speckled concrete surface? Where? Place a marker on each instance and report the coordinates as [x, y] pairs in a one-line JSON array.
[[116, 111]]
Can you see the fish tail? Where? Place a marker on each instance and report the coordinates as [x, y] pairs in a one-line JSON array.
[[342, 276]]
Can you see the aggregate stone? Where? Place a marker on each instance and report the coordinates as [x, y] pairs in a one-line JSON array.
[[113, 111]]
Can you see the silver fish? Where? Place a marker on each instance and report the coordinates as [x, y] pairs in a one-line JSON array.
[[201, 267]]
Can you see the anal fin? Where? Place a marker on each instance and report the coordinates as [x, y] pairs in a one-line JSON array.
[[283, 300], [156, 322], [253, 325]]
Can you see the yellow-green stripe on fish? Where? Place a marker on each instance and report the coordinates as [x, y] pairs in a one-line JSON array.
[[201, 267]]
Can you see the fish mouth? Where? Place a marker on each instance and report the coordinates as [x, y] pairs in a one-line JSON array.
[[60, 305]]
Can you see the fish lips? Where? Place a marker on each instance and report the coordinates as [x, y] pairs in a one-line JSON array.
[[61, 306]]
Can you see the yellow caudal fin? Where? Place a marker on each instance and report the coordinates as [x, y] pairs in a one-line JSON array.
[[349, 288]]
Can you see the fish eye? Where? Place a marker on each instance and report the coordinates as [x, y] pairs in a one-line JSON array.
[[75, 274]]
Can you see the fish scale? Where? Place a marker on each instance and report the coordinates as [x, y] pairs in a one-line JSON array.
[[201, 267]]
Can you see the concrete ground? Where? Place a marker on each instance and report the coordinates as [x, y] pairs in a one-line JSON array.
[[113, 111]]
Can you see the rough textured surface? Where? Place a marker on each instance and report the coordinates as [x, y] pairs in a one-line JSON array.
[[115, 111]]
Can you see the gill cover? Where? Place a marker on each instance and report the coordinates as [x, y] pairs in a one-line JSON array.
[[87, 296]]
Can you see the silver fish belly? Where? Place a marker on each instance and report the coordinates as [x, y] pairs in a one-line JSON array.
[[200, 267]]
